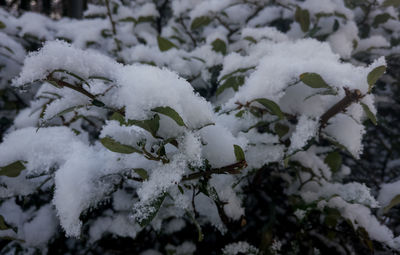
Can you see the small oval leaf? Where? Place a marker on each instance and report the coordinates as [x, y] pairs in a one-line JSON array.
[[152, 210], [395, 201], [219, 46], [271, 106], [115, 146], [395, 3], [239, 154], [314, 80], [334, 161], [303, 18], [12, 170], [2, 25], [380, 19], [281, 129], [142, 173], [369, 114], [199, 22], [3, 224], [374, 75], [233, 82], [164, 44], [168, 111]]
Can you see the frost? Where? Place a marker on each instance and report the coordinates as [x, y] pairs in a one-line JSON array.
[[238, 248]]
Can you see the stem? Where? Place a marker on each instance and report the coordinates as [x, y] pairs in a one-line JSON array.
[[351, 97], [113, 28], [231, 169], [61, 83]]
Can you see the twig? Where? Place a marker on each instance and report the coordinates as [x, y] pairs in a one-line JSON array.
[[231, 169], [114, 30], [351, 97]]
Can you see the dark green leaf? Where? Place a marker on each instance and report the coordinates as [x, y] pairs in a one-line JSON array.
[[219, 46], [152, 210], [142, 173], [12, 170], [115, 146], [233, 82], [240, 70], [322, 93], [395, 3], [303, 18], [374, 75], [168, 111], [336, 25], [240, 113], [272, 107], [281, 130], [128, 19], [239, 154], [369, 114], [250, 39], [199, 231], [164, 44], [395, 201], [152, 125], [3, 224], [143, 19], [313, 80], [334, 161], [2, 25], [97, 103], [199, 22], [118, 117], [380, 19]]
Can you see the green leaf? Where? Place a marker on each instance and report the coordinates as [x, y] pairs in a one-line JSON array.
[[97, 103], [271, 106], [199, 22], [142, 173], [118, 117], [152, 125], [374, 75], [168, 111], [380, 19], [198, 227], [164, 44], [314, 80], [219, 46], [322, 93], [240, 70], [128, 19], [152, 210], [369, 114], [250, 39], [334, 161], [239, 154], [395, 3], [281, 130], [303, 18], [2, 25], [4, 225], [115, 146], [233, 82], [395, 201], [12, 170]]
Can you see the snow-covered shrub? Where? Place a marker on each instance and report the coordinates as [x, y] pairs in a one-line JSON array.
[[214, 117]]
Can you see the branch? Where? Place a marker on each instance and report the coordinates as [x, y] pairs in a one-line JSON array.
[[62, 83], [114, 30], [230, 169], [351, 97]]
